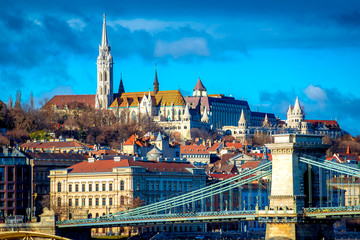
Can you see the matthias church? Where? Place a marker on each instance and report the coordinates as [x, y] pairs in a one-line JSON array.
[[178, 114]]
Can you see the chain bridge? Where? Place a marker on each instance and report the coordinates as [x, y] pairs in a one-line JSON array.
[[307, 194]]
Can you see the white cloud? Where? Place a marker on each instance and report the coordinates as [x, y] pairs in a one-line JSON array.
[[315, 93], [76, 23], [182, 47], [153, 26]]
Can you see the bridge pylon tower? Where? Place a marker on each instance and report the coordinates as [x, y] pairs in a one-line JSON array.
[[294, 186]]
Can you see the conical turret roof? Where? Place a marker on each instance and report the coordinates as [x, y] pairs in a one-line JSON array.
[[205, 116], [121, 86], [159, 137], [199, 86], [242, 116], [297, 104]]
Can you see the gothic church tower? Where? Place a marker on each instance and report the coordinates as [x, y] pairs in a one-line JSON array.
[[104, 91]]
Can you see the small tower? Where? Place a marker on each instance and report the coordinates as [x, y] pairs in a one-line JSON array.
[[186, 116], [242, 121], [199, 89], [160, 142], [295, 115], [121, 87], [104, 92], [205, 116], [266, 121], [156, 82]]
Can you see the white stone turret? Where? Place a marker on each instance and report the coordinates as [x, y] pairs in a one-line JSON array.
[[205, 116], [186, 116], [295, 115], [242, 121], [266, 121], [104, 92]]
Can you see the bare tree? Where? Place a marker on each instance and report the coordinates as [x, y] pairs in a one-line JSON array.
[[10, 103], [31, 101], [18, 99]]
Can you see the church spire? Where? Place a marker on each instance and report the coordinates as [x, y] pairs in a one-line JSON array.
[[104, 40], [104, 91], [121, 86], [156, 83]]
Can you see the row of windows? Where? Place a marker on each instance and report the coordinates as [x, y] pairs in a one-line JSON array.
[[167, 185], [197, 156], [90, 202], [91, 187]]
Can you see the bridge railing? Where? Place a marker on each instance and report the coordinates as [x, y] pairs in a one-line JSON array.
[[342, 181], [174, 203]]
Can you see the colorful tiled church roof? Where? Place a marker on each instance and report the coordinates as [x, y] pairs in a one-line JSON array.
[[133, 99], [71, 101]]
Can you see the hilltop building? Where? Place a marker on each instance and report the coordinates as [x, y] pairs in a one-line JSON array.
[[295, 123], [225, 111]]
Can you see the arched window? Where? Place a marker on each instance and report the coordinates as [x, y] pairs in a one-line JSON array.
[[122, 185], [133, 116], [137, 185], [59, 186], [122, 200], [104, 89], [97, 215], [59, 201]]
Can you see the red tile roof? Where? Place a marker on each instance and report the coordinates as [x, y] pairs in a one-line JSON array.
[[260, 155], [234, 145], [331, 124], [138, 141], [71, 101], [193, 149], [126, 161], [343, 157], [221, 176], [48, 145], [215, 146], [250, 165]]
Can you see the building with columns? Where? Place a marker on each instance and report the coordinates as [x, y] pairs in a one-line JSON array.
[[110, 185]]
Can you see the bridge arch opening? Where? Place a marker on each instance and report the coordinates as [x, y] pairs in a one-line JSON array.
[[309, 187]]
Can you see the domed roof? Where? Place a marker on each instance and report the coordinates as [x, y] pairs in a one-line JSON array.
[[154, 154]]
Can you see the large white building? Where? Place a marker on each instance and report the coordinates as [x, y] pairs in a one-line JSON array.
[[117, 183], [295, 123]]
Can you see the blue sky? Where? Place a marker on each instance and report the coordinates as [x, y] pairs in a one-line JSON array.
[[267, 52]]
